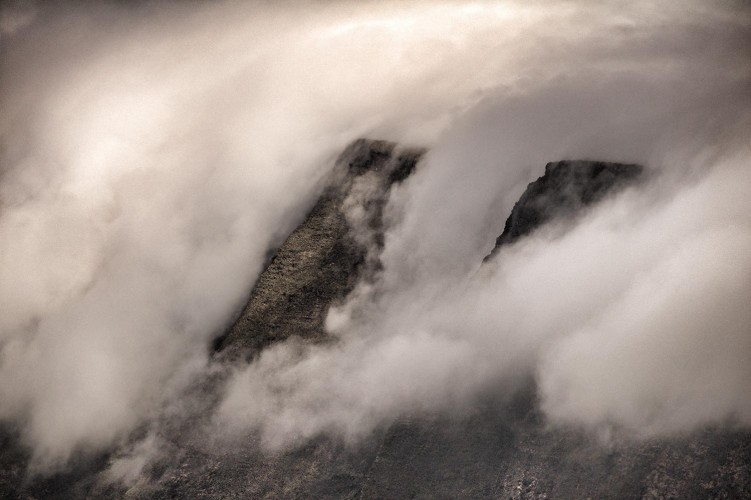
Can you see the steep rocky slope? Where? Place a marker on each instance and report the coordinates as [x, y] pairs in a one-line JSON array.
[[566, 188], [501, 449], [322, 260]]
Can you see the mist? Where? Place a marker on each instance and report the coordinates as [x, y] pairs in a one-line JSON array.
[[151, 155], [632, 320]]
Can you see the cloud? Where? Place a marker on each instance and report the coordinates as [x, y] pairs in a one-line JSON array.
[[152, 153], [632, 318], [670, 354]]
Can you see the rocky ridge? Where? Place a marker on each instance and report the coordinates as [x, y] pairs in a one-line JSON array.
[[502, 449], [565, 190], [322, 260]]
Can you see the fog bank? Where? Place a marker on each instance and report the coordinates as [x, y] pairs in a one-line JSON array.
[[631, 320], [151, 155]]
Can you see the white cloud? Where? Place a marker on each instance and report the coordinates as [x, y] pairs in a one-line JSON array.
[[151, 154], [606, 315]]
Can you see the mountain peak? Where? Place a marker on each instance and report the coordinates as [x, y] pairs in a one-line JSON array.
[[566, 188]]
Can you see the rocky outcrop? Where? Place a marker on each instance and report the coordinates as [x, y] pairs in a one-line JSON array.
[[325, 257], [566, 188]]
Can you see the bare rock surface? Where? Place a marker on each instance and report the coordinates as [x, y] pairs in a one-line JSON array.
[[322, 260], [566, 188]]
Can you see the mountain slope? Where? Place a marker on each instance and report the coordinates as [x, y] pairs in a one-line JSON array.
[[566, 189], [502, 448], [321, 261]]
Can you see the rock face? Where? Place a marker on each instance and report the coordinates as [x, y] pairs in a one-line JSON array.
[[502, 449], [566, 188], [324, 258]]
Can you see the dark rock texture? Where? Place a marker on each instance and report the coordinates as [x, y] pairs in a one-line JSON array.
[[322, 260], [499, 449], [566, 188]]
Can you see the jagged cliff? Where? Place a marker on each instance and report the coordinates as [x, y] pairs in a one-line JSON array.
[[322, 260], [503, 449], [566, 188]]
